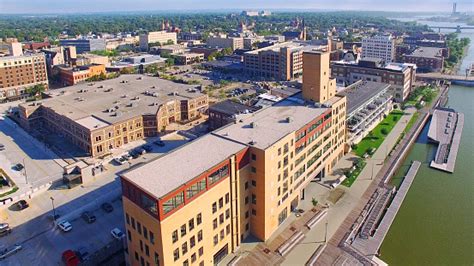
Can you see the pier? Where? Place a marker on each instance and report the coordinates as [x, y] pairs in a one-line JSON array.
[[446, 130], [369, 245]]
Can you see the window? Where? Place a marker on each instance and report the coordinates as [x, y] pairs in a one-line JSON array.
[[133, 223], [214, 207], [152, 237], [191, 224], [247, 226], [227, 213], [186, 263], [174, 236], [149, 204], [254, 183], [129, 236], [221, 218], [136, 255], [184, 247], [247, 214], [141, 246], [214, 224], [254, 212], [195, 188], [227, 198], [192, 242], [227, 229], [253, 169], [176, 254], [145, 232], [246, 185], [218, 174], [199, 219], [193, 257], [254, 157], [216, 240], [221, 203], [173, 203], [222, 234], [183, 230], [200, 236], [247, 200], [157, 259], [127, 218], [147, 250], [201, 251], [254, 199]]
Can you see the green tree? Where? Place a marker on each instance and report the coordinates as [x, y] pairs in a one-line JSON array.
[[36, 91], [169, 42]]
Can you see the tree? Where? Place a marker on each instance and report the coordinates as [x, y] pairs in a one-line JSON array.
[[170, 61], [169, 42], [314, 201], [36, 91], [384, 131]]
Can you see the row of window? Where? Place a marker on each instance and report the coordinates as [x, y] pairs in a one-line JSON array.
[[190, 226]]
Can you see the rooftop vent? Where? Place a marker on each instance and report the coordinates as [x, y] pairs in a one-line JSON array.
[[289, 119], [100, 86], [252, 142], [124, 96], [139, 78], [253, 124]]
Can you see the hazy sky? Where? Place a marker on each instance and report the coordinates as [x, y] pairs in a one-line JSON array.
[[74, 6]]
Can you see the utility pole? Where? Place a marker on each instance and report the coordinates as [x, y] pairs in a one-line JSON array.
[[24, 168], [54, 210]]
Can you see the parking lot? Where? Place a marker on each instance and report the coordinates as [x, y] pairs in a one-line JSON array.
[[40, 164]]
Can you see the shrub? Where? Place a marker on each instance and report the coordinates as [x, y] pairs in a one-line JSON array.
[[384, 131]]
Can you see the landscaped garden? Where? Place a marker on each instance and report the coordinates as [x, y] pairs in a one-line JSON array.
[[374, 139], [423, 93], [353, 173]]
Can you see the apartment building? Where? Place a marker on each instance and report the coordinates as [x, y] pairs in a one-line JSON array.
[[427, 59], [154, 37], [84, 45], [198, 203], [283, 61], [59, 56], [401, 76], [188, 58], [368, 103], [381, 46], [98, 117], [226, 42], [17, 73]]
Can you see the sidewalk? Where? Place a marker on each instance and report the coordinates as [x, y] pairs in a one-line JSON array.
[[338, 212]]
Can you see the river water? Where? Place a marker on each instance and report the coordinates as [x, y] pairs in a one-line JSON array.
[[435, 224]]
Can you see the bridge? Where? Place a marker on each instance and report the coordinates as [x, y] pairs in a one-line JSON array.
[[458, 28], [454, 79]]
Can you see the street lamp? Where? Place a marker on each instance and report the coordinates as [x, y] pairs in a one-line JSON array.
[[24, 168], [54, 210]]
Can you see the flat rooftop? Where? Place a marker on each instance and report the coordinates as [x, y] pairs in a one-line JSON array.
[[165, 174], [98, 104], [278, 46], [428, 52], [359, 93], [231, 108], [265, 127]]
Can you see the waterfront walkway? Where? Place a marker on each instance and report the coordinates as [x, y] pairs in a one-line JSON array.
[[371, 245]]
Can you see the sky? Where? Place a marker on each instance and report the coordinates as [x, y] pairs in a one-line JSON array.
[[81, 6]]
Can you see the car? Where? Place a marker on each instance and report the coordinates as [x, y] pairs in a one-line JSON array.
[[120, 160], [107, 207], [127, 156], [65, 226], [2, 147], [140, 150], [147, 147], [18, 167], [88, 217], [22, 204], [117, 233], [135, 154], [5, 229], [159, 143], [82, 253], [4, 253], [70, 258]]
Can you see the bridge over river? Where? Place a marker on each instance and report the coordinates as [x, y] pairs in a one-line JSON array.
[[454, 79], [458, 28]]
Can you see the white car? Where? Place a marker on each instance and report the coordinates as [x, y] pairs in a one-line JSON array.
[[117, 233], [4, 253], [120, 160], [65, 226]]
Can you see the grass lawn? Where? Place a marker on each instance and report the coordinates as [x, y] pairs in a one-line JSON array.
[[353, 176], [411, 122], [377, 137], [9, 192]]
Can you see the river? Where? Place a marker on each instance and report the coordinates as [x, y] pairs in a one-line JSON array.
[[435, 225]]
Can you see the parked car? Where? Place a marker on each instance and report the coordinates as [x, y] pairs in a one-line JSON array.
[[65, 226], [117, 233], [82, 253], [140, 150], [22, 204], [88, 217], [2, 147], [120, 160], [18, 167], [5, 229], [70, 258], [147, 147], [135, 154], [107, 207], [9, 251], [127, 156], [159, 143]]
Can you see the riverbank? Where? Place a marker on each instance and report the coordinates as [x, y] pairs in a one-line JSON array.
[[457, 67]]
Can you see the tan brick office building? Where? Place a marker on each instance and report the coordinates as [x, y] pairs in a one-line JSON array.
[[17, 73], [101, 116], [198, 203]]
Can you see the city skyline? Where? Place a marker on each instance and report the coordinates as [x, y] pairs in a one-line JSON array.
[[87, 6]]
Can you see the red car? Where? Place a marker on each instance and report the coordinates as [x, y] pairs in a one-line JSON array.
[[70, 258]]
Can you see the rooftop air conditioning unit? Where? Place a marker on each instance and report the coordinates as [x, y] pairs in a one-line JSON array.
[[289, 119], [253, 124]]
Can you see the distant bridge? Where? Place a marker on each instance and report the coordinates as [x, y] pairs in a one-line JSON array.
[[458, 28], [455, 79]]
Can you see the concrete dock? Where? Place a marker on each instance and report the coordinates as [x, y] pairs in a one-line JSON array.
[[446, 130], [371, 245]]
